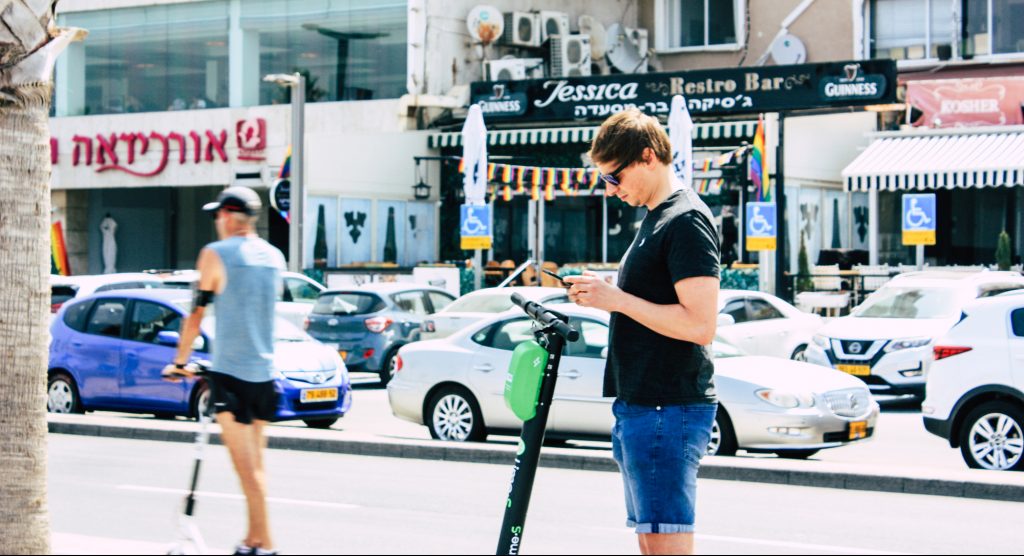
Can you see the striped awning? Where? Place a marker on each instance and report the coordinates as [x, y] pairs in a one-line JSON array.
[[741, 131], [940, 159]]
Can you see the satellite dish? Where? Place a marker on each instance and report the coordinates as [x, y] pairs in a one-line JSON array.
[[589, 25], [788, 49], [485, 24], [622, 51]]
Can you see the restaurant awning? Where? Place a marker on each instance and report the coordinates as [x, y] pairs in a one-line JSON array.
[[940, 159], [740, 131]]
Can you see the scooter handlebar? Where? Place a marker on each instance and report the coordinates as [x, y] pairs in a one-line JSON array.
[[547, 317]]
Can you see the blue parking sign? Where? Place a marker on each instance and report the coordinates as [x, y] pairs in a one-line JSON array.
[[919, 220], [475, 227], [761, 229]]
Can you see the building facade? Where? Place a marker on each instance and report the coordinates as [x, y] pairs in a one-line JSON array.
[[165, 103]]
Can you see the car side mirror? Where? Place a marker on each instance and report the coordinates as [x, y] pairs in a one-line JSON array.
[[168, 338], [726, 319]]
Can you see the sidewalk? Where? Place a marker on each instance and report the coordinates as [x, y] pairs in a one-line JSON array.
[[968, 483]]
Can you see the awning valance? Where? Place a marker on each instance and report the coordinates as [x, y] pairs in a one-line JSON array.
[[741, 131], [940, 159]]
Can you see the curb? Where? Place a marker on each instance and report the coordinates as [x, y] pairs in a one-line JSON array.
[[558, 459]]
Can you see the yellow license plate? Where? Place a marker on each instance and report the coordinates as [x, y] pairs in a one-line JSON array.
[[858, 430], [855, 370], [319, 395]]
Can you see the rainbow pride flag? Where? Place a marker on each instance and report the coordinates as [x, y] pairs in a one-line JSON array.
[[58, 250], [759, 165], [286, 168]]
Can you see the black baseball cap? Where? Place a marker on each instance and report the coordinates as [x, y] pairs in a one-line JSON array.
[[236, 199]]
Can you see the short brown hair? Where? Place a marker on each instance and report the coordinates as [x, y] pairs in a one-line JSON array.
[[624, 136]]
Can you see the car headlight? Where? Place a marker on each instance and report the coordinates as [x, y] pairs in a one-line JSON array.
[[907, 343], [785, 400], [820, 340]]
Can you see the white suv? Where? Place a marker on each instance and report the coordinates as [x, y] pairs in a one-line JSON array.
[[975, 394], [887, 340]]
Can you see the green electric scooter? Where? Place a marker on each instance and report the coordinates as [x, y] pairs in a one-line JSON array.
[[529, 389]]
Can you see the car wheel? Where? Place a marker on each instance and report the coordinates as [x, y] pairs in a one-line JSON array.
[[800, 353], [320, 423], [723, 438], [62, 395], [454, 415], [992, 437], [796, 454], [389, 368], [201, 400]]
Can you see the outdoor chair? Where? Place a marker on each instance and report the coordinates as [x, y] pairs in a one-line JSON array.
[[874, 276], [830, 279]]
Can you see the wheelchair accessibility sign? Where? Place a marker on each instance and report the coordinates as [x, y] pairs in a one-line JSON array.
[[761, 227], [919, 219], [475, 227]]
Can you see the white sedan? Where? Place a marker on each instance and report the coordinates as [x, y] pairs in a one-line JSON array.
[[762, 324], [455, 387], [481, 304]]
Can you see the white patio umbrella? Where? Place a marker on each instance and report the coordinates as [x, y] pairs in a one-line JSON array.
[[474, 153], [680, 134]]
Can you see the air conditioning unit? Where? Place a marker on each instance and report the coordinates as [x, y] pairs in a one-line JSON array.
[[570, 55], [514, 69], [553, 24], [521, 29]]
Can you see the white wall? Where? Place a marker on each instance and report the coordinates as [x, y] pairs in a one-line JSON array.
[[817, 148], [451, 60]]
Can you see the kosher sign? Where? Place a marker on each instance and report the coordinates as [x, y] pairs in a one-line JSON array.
[[717, 92]]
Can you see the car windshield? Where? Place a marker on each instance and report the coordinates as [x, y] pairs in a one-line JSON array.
[[284, 331], [485, 303], [911, 303], [723, 349], [348, 303]]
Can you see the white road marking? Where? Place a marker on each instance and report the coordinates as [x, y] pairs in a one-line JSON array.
[[226, 496], [797, 545]]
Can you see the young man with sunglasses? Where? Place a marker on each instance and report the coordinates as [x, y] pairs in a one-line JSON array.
[[243, 273], [663, 318]]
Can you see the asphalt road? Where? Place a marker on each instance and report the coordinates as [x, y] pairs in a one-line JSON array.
[[110, 496]]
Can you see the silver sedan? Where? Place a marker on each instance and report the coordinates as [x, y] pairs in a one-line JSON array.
[[455, 387]]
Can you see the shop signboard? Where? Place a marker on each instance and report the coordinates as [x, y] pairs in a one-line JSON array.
[[476, 227], [968, 102], [716, 92], [762, 225], [919, 219]]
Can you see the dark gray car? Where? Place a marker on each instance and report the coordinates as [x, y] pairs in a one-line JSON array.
[[368, 324]]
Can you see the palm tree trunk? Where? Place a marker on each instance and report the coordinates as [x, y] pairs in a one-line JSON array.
[[29, 43], [24, 337]]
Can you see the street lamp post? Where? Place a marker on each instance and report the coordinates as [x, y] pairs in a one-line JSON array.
[[296, 210]]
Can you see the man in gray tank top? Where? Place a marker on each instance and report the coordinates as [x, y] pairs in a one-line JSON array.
[[243, 273]]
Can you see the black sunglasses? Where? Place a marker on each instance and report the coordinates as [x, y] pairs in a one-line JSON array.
[[613, 178]]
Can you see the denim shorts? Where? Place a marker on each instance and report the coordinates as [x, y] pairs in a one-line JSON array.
[[658, 450]]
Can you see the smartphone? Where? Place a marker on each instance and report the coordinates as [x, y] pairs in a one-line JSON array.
[[559, 278]]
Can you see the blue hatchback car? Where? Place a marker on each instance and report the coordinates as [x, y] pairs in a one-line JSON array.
[[108, 351], [368, 324]]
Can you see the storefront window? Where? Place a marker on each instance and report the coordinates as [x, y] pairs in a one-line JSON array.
[[168, 57], [993, 27], [911, 29], [348, 49]]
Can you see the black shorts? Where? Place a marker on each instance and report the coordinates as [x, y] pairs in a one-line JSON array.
[[248, 401]]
